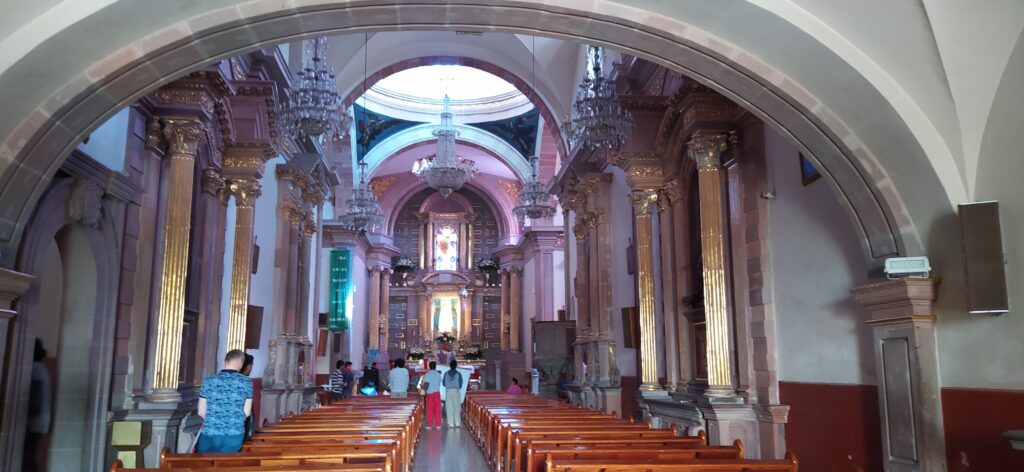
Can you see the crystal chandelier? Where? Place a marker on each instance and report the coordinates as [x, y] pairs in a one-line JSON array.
[[363, 209], [598, 120], [534, 200], [446, 173], [313, 105]]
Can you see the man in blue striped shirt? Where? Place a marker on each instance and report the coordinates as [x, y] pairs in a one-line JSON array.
[[337, 381]]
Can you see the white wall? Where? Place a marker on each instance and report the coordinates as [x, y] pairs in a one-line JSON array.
[[264, 286], [816, 259], [107, 145], [360, 298], [622, 284]]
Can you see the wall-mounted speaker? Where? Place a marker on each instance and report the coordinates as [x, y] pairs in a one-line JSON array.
[[253, 326], [984, 264]]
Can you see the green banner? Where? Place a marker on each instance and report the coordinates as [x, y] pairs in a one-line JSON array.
[[341, 285]]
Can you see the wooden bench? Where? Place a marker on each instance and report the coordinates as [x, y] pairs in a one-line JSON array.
[[291, 457], [535, 449], [119, 466], [706, 465]]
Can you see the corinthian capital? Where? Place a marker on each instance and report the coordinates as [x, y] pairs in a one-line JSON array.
[[644, 201], [183, 136], [246, 192], [707, 149], [212, 181]]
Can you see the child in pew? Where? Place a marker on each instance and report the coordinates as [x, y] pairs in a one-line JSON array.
[[514, 389]]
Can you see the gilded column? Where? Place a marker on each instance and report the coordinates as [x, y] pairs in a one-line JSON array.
[[374, 310], [644, 202], [183, 137], [515, 309], [385, 307], [245, 192], [424, 317], [504, 309], [429, 228], [463, 247], [467, 317], [295, 217], [707, 150]]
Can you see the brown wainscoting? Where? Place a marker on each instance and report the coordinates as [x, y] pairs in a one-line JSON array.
[[257, 394], [975, 420], [833, 427], [630, 390]]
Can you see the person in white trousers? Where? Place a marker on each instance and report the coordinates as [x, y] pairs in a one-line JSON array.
[[453, 395]]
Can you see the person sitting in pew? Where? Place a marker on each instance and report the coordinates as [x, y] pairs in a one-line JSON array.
[[398, 379], [225, 400], [514, 388]]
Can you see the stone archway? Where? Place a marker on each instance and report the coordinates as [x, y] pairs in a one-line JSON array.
[[73, 220], [844, 149]]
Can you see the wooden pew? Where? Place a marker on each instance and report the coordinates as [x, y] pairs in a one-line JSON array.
[[644, 454], [291, 457], [119, 466], [535, 449], [666, 465]]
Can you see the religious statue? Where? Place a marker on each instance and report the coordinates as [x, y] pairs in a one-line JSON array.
[[446, 249]]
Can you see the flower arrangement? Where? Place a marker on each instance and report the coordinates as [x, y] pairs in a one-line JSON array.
[[487, 264], [403, 264], [473, 353], [445, 338], [416, 353]]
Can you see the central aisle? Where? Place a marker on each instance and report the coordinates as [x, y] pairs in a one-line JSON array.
[[448, 450]]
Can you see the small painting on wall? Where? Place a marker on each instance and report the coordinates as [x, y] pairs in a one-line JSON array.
[[808, 173]]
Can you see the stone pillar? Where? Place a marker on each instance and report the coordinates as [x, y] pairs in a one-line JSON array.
[[644, 202], [429, 250], [668, 293], [385, 308], [706, 150], [505, 284], [515, 308], [424, 318], [305, 254], [183, 137], [373, 321], [902, 317], [245, 192], [294, 215], [463, 248]]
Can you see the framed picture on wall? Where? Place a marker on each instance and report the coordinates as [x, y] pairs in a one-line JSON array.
[[255, 257], [808, 173], [321, 343], [631, 258], [631, 327]]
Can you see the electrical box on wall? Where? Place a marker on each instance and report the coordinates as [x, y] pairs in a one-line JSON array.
[[984, 263]]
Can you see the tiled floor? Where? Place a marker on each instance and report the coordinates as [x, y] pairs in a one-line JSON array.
[[448, 450]]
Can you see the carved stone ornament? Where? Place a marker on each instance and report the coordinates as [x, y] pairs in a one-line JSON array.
[[644, 201], [673, 191], [706, 150], [85, 205], [183, 136], [246, 192], [154, 136], [212, 182]]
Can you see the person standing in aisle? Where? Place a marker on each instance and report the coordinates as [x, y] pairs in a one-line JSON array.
[[453, 395], [431, 384]]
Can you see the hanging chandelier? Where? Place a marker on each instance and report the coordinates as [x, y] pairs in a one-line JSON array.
[[313, 104], [446, 172], [363, 209], [534, 200], [598, 119]]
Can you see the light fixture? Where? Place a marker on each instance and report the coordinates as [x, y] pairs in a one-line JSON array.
[[313, 105], [598, 119], [446, 172], [534, 200], [363, 209]]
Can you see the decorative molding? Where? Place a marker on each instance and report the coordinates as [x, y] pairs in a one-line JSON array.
[[706, 149], [512, 188], [380, 185], [245, 191], [212, 182], [183, 136], [644, 201]]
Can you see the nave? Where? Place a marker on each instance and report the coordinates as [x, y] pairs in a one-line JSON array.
[[510, 433]]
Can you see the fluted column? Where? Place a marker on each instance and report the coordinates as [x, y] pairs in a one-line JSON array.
[[668, 292], [645, 202], [295, 217], [385, 307], [245, 192], [183, 137], [305, 254], [374, 310], [515, 309], [707, 150], [505, 284]]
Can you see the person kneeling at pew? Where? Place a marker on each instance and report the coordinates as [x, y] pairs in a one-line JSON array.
[[225, 401]]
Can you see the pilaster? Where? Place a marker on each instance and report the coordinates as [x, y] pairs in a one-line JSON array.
[[901, 314]]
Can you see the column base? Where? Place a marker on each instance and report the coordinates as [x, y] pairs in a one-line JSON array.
[[164, 395], [159, 425], [729, 422], [609, 400]]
